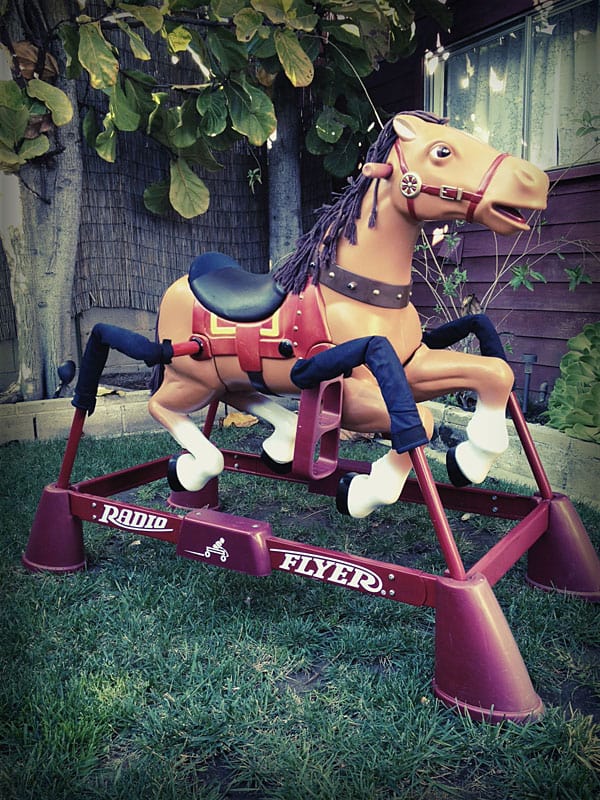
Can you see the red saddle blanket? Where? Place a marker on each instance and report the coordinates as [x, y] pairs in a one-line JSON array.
[[298, 329]]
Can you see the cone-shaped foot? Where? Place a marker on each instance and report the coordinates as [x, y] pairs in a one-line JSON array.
[[56, 538], [564, 559], [478, 667]]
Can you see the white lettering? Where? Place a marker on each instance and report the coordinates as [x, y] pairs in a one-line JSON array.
[[130, 519], [340, 573], [343, 573], [322, 566], [289, 562]]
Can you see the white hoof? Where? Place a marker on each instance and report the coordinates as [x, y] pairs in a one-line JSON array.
[[359, 495], [473, 462], [187, 474], [279, 446]]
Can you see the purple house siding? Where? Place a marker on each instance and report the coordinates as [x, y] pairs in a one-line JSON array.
[[538, 322], [541, 321]]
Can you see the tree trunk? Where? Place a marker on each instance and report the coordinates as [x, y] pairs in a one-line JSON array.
[[40, 231], [285, 196]]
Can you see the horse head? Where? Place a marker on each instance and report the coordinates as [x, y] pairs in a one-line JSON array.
[[436, 172]]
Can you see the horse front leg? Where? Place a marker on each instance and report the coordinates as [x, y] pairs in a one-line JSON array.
[[432, 373], [365, 411]]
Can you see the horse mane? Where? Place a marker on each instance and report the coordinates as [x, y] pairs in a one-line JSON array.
[[316, 249]]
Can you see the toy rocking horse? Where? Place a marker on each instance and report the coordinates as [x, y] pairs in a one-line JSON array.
[[350, 275], [335, 321]]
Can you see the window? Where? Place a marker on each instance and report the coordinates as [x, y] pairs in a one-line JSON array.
[[525, 88]]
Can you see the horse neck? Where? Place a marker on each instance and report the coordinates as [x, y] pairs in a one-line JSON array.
[[384, 252]]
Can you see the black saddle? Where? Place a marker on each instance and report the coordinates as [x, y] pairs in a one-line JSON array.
[[226, 289]]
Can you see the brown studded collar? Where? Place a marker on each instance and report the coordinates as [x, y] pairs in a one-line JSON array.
[[366, 290]]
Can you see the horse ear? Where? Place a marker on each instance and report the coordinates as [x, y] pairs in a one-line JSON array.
[[404, 129]]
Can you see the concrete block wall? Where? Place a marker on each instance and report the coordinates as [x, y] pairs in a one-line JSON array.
[[572, 466]]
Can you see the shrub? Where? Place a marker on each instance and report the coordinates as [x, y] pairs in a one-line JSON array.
[[574, 405]]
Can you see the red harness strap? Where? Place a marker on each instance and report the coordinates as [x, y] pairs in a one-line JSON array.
[[298, 328], [411, 186]]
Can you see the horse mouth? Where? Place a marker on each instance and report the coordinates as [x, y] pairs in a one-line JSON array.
[[511, 213]]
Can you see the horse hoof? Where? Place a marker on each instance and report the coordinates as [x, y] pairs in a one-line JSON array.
[[456, 475], [341, 497], [275, 466], [172, 479]]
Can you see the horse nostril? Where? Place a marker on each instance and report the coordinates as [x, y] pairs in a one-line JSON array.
[[531, 176], [527, 176]]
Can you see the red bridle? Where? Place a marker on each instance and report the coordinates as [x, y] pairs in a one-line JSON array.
[[411, 186]]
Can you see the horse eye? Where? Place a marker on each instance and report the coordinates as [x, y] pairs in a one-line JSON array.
[[441, 151]]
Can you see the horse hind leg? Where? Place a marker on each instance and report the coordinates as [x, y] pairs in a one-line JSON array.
[[192, 470], [278, 448]]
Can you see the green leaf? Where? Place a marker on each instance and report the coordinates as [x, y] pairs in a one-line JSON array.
[[342, 32], [10, 95], [157, 115], [139, 95], [350, 61], [212, 107], [329, 125], [150, 16], [138, 48], [252, 113], [188, 194], [316, 145], [342, 161], [247, 24], [97, 57], [584, 432], [185, 131], [227, 53], [178, 39], [124, 114], [227, 8], [200, 55], [183, 5], [264, 48], [13, 125], [9, 160], [156, 197], [55, 99], [580, 343], [296, 64], [32, 148], [576, 277], [293, 13], [90, 127], [106, 142], [272, 9], [69, 36], [199, 153]]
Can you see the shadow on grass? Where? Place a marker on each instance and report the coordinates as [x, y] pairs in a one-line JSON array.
[[150, 676]]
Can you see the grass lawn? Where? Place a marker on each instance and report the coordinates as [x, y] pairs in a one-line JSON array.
[[154, 677]]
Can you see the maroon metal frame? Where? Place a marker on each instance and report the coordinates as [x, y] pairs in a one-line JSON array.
[[478, 667]]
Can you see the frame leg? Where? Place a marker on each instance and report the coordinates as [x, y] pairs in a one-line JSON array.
[[563, 558], [478, 666], [56, 538], [208, 497]]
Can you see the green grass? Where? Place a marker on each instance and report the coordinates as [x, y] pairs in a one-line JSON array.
[[151, 676]]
